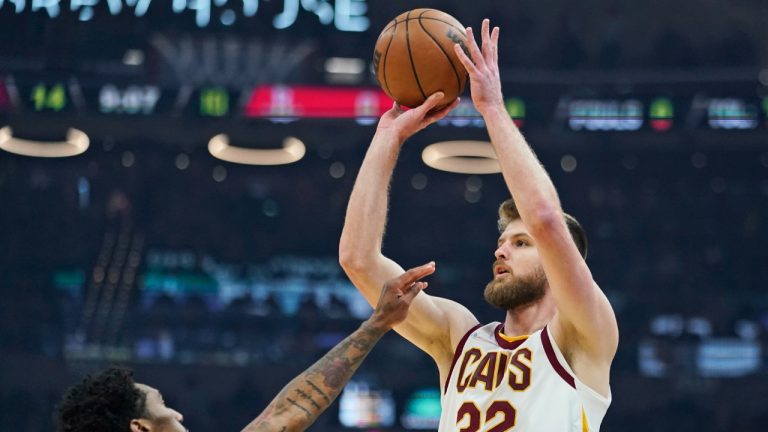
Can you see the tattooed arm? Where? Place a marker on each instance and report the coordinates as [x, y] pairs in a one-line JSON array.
[[299, 403]]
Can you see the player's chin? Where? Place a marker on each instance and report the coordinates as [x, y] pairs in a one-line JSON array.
[[495, 286]]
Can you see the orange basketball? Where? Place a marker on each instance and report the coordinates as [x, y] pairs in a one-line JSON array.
[[414, 57]]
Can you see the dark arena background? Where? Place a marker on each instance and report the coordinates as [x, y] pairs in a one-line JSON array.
[[154, 242]]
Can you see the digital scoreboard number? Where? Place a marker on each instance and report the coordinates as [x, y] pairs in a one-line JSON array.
[[49, 97], [214, 102], [130, 100], [135, 99], [44, 96]]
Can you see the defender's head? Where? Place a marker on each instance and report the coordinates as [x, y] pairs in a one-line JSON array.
[[113, 402]]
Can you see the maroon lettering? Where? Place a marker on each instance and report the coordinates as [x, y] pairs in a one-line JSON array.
[[484, 371], [469, 409], [501, 369], [471, 356], [520, 381], [506, 410]]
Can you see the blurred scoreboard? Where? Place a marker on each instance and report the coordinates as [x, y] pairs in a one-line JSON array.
[[657, 113], [41, 96], [129, 99], [662, 114]]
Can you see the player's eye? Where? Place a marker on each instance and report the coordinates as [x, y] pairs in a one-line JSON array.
[[521, 243]]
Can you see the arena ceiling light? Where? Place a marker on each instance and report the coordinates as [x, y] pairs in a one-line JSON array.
[[463, 157], [293, 150], [344, 65], [342, 70], [76, 143]]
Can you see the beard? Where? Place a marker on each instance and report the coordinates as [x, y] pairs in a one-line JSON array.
[[510, 292]]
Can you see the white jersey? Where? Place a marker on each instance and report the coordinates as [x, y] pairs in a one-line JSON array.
[[499, 384]]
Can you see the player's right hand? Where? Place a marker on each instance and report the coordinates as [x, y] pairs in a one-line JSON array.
[[397, 295], [406, 123], [483, 67]]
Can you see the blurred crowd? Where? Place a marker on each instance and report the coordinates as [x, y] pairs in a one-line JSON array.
[[675, 236]]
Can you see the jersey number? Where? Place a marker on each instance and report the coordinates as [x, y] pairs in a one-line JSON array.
[[497, 408]]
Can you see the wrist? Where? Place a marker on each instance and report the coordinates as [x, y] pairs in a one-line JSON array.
[[375, 325], [494, 110], [389, 136]]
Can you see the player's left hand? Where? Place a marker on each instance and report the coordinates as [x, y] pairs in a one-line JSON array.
[[483, 67], [397, 295]]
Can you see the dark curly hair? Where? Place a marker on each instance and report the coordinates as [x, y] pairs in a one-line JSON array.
[[106, 402]]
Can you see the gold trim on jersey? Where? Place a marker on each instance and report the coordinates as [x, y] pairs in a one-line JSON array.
[[512, 338], [584, 422]]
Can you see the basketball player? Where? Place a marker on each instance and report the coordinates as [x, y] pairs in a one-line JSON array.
[[113, 402], [546, 367]]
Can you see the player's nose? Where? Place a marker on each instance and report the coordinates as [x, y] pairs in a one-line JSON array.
[[178, 415], [501, 252]]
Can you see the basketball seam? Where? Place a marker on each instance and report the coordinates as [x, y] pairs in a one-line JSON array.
[[410, 56], [384, 61], [423, 18], [442, 21], [455, 72]]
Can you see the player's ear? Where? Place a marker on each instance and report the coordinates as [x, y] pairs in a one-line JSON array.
[[140, 425]]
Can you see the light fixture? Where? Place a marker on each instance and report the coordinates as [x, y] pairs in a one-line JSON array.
[[344, 65], [343, 70], [293, 150], [76, 143], [133, 57], [463, 157]]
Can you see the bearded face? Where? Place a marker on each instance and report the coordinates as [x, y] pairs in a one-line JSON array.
[[510, 291]]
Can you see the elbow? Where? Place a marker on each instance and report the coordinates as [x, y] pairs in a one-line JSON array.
[[546, 221], [347, 260], [351, 261], [349, 254]]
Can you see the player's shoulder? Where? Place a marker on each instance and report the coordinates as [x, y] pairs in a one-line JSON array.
[[458, 319]]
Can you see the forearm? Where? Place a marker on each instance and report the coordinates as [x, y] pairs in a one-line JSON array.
[[526, 178], [367, 209], [300, 402]]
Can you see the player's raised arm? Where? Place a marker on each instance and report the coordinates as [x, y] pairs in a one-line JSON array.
[[360, 251], [299, 404], [584, 319]]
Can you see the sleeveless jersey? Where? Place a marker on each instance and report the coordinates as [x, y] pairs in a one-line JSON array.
[[499, 384]]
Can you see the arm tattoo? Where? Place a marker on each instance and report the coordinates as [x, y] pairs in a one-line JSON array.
[[306, 411], [335, 369], [320, 392], [267, 427], [308, 398], [337, 366]]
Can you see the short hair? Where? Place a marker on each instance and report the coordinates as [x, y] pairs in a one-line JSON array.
[[106, 402], [508, 213]]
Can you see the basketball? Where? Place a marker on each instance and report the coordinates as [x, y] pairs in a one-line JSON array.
[[414, 57]]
